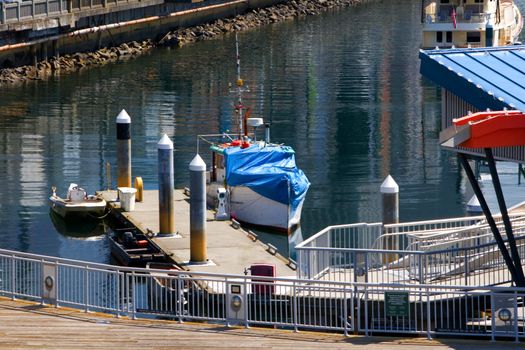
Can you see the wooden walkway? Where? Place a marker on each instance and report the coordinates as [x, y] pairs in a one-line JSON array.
[[231, 250], [26, 325]]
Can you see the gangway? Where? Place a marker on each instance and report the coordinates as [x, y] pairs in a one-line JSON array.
[[488, 130]]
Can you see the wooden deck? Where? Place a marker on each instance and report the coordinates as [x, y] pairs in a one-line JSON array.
[[26, 325], [230, 250]]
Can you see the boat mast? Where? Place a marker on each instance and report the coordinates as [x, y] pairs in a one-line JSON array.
[[239, 107]]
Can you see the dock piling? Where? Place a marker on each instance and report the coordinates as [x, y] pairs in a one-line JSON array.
[[390, 201], [123, 149], [390, 213], [166, 186], [198, 210]]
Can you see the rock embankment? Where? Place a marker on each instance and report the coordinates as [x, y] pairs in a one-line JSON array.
[[254, 18]]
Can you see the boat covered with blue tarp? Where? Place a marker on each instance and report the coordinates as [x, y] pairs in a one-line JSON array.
[[269, 170]]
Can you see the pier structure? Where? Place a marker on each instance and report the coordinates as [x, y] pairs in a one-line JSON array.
[[229, 250], [474, 80], [35, 30]]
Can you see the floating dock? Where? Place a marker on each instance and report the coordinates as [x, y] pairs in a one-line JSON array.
[[230, 250]]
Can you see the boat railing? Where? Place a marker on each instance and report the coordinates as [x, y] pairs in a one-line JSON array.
[[286, 303], [447, 13]]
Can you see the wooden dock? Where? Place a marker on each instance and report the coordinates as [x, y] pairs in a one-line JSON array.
[[25, 325], [230, 250]]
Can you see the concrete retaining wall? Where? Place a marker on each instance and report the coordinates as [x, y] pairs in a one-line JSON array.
[[91, 39]]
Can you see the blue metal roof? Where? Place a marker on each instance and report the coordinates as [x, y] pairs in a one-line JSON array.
[[488, 77]]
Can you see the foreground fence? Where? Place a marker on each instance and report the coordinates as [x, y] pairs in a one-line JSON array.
[[364, 308]]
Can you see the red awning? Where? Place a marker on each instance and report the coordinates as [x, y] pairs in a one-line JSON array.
[[493, 129]]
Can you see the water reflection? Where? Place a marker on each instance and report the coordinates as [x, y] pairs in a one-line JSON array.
[[85, 229], [342, 88]]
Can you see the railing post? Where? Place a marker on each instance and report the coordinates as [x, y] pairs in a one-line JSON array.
[[246, 305], [86, 292], [516, 331], [299, 253], [345, 312], [429, 320], [420, 263], [466, 266], [294, 302], [13, 277], [57, 284], [492, 317], [366, 310], [133, 296], [117, 294], [180, 297]]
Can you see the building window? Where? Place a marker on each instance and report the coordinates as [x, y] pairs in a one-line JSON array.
[[473, 37], [449, 37], [439, 37]]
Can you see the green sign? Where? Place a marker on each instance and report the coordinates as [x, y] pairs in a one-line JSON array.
[[396, 304]]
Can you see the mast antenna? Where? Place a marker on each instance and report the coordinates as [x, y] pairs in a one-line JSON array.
[[239, 107]]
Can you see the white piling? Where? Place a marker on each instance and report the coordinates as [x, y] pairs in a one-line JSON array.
[[390, 201], [390, 214], [198, 249], [166, 186]]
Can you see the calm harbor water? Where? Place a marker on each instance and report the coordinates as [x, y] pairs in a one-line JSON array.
[[342, 88]]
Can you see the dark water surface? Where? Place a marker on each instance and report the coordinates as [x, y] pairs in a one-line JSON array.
[[342, 88]]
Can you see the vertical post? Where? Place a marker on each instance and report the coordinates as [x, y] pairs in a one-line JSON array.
[[505, 217], [429, 319], [2, 16], [198, 210], [267, 132], [166, 186], [390, 201], [390, 212], [123, 149], [490, 219]]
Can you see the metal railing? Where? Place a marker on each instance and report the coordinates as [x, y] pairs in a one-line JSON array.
[[21, 10], [447, 13], [458, 251], [347, 307]]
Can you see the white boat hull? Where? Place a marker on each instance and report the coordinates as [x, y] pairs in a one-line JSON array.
[[65, 208], [250, 207]]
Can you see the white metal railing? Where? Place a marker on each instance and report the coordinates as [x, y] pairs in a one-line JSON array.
[[447, 13], [346, 307], [459, 251]]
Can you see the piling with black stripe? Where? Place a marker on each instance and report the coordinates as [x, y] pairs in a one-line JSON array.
[[166, 186], [123, 149], [198, 253]]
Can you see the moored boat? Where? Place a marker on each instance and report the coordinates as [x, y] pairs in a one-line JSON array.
[[77, 203], [470, 23], [260, 180], [134, 249]]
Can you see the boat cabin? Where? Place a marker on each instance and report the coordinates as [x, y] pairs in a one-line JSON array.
[[469, 23]]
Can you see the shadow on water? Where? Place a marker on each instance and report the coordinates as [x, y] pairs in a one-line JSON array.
[[85, 229]]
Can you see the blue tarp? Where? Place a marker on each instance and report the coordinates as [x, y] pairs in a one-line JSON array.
[[270, 171]]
